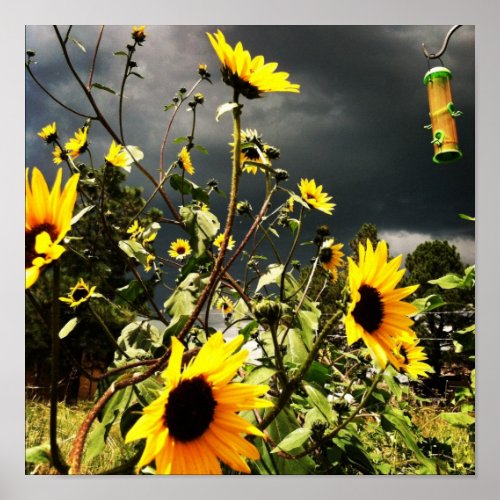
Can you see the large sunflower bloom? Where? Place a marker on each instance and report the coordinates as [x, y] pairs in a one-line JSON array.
[[376, 313], [250, 77], [315, 197], [330, 257], [410, 359], [48, 219], [194, 423], [77, 144]]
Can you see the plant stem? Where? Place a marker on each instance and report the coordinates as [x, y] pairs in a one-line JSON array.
[[297, 378], [54, 371], [290, 255], [106, 331]]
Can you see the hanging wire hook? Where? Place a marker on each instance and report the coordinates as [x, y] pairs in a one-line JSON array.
[[445, 44]]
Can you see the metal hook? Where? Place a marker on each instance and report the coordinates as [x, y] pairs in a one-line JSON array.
[[445, 44]]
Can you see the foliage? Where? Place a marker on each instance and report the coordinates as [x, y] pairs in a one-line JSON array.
[[312, 400]]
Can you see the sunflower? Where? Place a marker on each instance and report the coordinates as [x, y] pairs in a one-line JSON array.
[[77, 144], [49, 133], [330, 256], [135, 230], [138, 34], [59, 155], [118, 157], [179, 249], [149, 262], [194, 423], [248, 76], [79, 294], [225, 305], [220, 238], [48, 219], [410, 357], [184, 161], [376, 313], [315, 197]]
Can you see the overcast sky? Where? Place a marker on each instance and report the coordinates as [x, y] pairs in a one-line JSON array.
[[356, 127]]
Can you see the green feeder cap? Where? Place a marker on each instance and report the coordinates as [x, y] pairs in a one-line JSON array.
[[447, 156], [437, 72]]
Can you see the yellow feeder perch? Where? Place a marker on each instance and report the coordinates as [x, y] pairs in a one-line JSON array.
[[443, 114]]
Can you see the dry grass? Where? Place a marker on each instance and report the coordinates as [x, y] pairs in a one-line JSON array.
[[69, 419]]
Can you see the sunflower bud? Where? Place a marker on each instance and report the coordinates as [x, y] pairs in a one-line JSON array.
[[199, 98], [268, 312], [323, 230], [243, 207], [280, 175], [271, 152]]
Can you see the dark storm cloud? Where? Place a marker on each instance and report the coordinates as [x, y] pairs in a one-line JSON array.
[[356, 127]]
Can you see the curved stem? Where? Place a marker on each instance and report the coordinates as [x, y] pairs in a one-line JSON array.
[[79, 442], [92, 66], [55, 99], [100, 117], [107, 332], [290, 255]]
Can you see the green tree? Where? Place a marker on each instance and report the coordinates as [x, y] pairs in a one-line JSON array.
[[367, 231], [91, 256], [431, 260]]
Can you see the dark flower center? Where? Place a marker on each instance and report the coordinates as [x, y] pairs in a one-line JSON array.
[[369, 311], [404, 353], [325, 255], [181, 250], [79, 293], [30, 240], [190, 409]]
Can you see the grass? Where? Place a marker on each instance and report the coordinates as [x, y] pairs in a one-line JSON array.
[[451, 444], [37, 413]]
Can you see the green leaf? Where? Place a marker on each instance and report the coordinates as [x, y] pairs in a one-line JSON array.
[[130, 292], [38, 454], [272, 275], [273, 231], [466, 217], [448, 281], [100, 86], [294, 224], [68, 327], [120, 53], [137, 74], [297, 352], [428, 303], [141, 338], [458, 419], [169, 106], [134, 250], [201, 149], [183, 299], [224, 108], [260, 375], [78, 44], [81, 213], [319, 400], [248, 329], [179, 140], [294, 440], [394, 420]]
